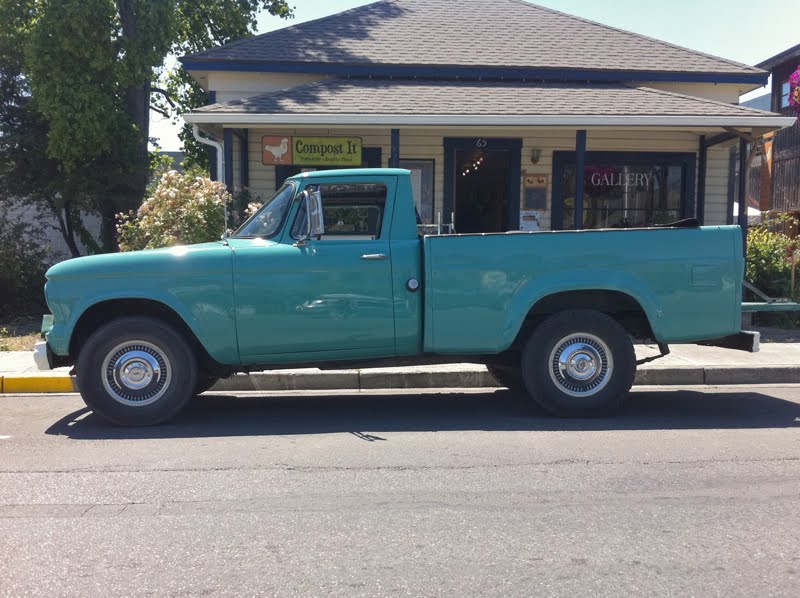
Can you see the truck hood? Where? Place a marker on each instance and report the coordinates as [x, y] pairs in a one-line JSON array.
[[170, 261]]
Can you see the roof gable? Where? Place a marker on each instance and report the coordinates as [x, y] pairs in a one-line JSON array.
[[470, 34]]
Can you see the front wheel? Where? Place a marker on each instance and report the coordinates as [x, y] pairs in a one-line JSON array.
[[136, 371], [579, 363]]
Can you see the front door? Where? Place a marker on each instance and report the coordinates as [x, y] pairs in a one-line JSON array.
[[331, 297], [482, 184]]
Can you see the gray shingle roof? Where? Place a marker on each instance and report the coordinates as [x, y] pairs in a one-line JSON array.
[[469, 33], [411, 97]]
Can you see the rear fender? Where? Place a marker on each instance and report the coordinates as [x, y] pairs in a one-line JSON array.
[[538, 288]]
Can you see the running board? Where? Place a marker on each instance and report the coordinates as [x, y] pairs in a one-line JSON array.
[[773, 306], [744, 341]]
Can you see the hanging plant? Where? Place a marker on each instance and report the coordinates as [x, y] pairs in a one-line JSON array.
[[794, 91]]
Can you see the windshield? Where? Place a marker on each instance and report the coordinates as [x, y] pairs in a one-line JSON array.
[[267, 221]]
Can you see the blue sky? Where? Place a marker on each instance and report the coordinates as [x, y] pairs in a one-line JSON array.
[[743, 30]]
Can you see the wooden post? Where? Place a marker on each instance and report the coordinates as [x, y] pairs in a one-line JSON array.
[[580, 167], [394, 156]]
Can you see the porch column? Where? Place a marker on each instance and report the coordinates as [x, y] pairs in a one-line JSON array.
[[227, 161], [394, 156], [580, 165], [742, 219], [244, 163], [212, 152], [702, 168]]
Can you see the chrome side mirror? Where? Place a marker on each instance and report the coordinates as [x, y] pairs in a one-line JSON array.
[[316, 222], [315, 225]]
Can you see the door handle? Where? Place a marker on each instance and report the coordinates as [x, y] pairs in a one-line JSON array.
[[373, 256]]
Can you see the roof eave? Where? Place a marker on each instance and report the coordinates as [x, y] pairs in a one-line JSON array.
[[768, 122], [471, 72], [773, 61]]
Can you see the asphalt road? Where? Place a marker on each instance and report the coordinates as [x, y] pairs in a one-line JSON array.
[[686, 493]]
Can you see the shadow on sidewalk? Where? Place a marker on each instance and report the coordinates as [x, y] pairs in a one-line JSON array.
[[218, 415]]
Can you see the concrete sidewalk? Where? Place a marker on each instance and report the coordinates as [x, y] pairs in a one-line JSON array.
[[776, 363]]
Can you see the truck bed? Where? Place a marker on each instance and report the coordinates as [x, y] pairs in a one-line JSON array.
[[480, 288]]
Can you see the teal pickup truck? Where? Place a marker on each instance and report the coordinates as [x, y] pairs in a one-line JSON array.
[[333, 272]]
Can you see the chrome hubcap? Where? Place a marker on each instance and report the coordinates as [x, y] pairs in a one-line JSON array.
[[136, 373], [581, 364]]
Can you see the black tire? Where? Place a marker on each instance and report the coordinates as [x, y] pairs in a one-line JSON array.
[[203, 384], [508, 376], [136, 371], [579, 363]]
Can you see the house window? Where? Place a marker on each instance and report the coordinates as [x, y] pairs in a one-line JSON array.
[[624, 190], [785, 88]]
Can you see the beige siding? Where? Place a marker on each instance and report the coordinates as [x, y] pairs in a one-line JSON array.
[[720, 92], [717, 184], [231, 87], [428, 144]]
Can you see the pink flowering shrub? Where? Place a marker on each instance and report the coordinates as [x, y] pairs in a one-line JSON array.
[[794, 91], [181, 209]]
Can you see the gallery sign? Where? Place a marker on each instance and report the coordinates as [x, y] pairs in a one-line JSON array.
[[620, 179], [310, 151]]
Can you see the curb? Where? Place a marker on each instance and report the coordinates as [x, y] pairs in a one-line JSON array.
[[36, 383], [461, 377]]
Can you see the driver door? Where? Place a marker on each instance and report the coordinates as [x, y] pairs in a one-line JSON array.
[[326, 297]]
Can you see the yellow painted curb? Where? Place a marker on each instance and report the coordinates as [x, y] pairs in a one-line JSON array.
[[12, 384]]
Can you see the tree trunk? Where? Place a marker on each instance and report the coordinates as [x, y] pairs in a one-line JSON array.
[[64, 226], [137, 105], [69, 237]]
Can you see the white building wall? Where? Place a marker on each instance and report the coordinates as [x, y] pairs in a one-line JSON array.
[[52, 239]]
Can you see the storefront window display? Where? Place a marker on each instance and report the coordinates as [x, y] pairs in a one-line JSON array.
[[622, 191]]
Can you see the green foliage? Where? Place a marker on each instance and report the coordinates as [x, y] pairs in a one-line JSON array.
[[78, 78], [24, 255], [204, 25], [27, 174], [182, 209], [769, 251]]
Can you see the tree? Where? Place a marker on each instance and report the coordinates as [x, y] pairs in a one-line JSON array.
[[27, 174], [92, 64]]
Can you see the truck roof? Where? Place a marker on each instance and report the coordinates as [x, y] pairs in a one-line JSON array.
[[352, 172]]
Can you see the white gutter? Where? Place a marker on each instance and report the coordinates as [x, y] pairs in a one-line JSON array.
[[221, 118], [215, 144]]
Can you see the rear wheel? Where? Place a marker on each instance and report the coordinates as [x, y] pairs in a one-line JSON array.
[[136, 371], [579, 363]]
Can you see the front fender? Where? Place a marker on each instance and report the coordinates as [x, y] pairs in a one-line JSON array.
[[203, 302]]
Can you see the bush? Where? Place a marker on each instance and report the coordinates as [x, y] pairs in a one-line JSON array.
[[24, 255], [769, 264], [769, 252], [180, 209]]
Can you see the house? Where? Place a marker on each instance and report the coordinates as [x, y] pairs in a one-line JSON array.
[[510, 115], [780, 175]]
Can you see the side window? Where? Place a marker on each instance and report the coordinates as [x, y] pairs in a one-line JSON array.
[[352, 211]]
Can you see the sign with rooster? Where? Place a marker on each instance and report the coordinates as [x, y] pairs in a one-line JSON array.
[[311, 151]]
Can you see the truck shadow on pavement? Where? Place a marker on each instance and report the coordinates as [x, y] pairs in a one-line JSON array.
[[366, 416]]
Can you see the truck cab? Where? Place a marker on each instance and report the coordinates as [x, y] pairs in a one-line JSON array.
[[356, 280]]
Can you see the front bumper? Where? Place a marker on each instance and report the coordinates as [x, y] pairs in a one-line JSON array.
[[42, 356]]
